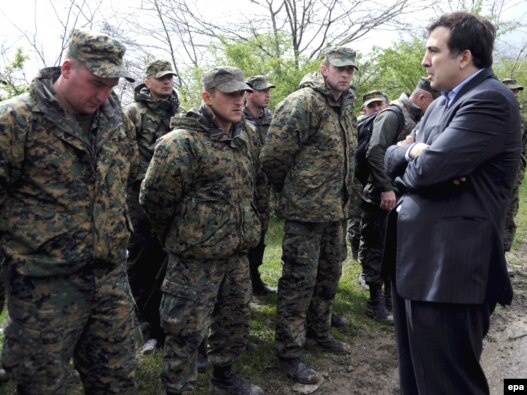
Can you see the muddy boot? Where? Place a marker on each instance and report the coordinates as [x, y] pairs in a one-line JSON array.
[[338, 321], [203, 359], [328, 344], [298, 371], [225, 382], [375, 308], [387, 292]]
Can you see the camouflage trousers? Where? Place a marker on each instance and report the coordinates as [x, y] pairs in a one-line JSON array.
[[510, 224], [372, 242], [87, 316], [312, 256], [199, 294]]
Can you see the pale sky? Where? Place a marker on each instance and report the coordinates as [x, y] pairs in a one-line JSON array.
[[17, 16]]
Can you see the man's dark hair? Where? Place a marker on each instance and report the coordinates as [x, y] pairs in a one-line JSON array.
[[468, 31]]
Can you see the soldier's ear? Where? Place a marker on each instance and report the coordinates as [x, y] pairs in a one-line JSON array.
[[66, 68], [324, 70], [206, 97]]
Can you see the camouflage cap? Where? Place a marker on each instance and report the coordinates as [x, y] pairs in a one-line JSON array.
[[225, 78], [159, 68], [101, 54], [259, 83], [373, 96], [340, 56], [424, 84], [512, 84]]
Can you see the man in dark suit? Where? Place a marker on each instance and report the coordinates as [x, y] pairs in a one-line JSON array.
[[444, 246]]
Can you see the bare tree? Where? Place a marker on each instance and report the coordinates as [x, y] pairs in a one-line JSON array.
[[68, 14], [311, 25]]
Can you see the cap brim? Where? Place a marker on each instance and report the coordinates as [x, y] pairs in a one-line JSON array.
[[340, 63], [233, 86], [116, 74], [365, 104], [161, 74]]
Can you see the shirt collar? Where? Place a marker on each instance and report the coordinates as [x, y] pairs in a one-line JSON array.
[[451, 95]]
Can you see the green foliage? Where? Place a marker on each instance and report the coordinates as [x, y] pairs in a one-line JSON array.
[[269, 55], [253, 57], [505, 67], [11, 73], [393, 70]]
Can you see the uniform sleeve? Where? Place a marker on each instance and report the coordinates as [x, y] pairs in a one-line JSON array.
[[167, 179], [14, 126], [289, 128], [134, 151], [383, 135]]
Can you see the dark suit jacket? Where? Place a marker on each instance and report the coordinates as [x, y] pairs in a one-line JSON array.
[[445, 241]]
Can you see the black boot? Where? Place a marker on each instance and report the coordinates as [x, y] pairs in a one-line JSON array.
[[339, 321], [225, 382], [375, 308]]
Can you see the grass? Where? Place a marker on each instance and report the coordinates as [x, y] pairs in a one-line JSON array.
[[349, 302]]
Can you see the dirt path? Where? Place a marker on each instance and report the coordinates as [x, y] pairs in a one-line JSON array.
[[372, 366]]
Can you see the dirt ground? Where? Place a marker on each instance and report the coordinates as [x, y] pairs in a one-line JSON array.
[[371, 368]]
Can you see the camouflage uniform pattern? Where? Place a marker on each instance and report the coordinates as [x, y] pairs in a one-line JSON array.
[[308, 153], [312, 254], [373, 220], [62, 201], [151, 120], [510, 224], [102, 349], [198, 294], [101, 54], [198, 193], [308, 157]]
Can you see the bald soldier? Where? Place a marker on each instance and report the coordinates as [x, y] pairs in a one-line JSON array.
[[65, 156]]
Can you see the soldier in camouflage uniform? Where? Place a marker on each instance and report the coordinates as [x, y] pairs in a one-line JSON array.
[[65, 155], [372, 102], [156, 102], [199, 196], [308, 158], [256, 112], [510, 225], [380, 194]]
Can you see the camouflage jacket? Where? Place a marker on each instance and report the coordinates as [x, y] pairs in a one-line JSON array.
[[198, 190], [151, 119], [62, 193], [309, 153], [261, 125]]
